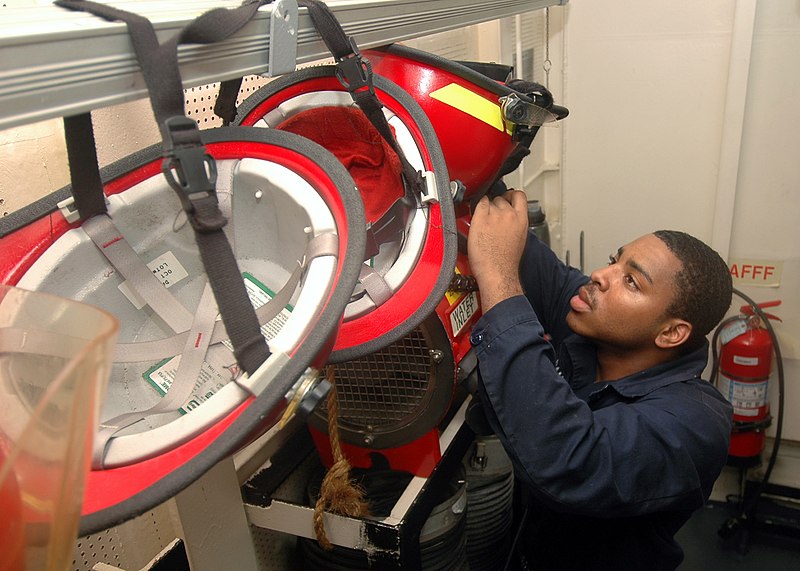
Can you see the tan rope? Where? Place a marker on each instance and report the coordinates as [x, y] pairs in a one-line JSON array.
[[337, 494]]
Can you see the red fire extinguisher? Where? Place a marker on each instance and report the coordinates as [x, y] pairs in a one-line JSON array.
[[745, 362]]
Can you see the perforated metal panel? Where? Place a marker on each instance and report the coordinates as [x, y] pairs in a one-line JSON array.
[[128, 546], [199, 101], [100, 548]]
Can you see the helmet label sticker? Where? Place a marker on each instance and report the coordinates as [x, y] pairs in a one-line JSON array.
[[161, 375], [166, 268], [213, 376]]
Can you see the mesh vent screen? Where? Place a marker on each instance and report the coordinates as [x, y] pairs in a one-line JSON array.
[[387, 387], [396, 394]]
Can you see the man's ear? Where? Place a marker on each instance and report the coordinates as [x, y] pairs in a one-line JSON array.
[[674, 333]]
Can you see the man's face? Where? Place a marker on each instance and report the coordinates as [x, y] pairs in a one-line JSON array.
[[625, 303]]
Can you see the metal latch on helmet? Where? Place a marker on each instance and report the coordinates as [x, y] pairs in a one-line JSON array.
[[520, 112], [191, 172], [305, 395]]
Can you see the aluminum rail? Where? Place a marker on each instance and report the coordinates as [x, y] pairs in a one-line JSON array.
[[56, 63]]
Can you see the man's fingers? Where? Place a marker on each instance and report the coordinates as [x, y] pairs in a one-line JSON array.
[[483, 204], [515, 200], [518, 200], [512, 200]]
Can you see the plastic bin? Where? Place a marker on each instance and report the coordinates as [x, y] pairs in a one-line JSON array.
[[55, 358]]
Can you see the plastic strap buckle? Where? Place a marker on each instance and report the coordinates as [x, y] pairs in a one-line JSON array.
[[192, 173], [353, 71]]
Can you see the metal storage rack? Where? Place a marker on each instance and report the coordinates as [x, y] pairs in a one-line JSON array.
[[57, 63], [393, 542]]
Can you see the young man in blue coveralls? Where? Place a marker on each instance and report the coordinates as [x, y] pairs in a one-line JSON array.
[[614, 436]]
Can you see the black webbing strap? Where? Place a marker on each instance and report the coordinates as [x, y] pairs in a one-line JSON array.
[[214, 26], [225, 106], [84, 171], [355, 74], [188, 168]]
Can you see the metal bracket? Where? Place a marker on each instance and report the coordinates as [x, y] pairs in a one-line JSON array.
[[283, 37]]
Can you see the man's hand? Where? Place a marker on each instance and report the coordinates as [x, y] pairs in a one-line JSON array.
[[496, 241]]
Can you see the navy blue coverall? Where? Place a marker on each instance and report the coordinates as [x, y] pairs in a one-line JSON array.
[[612, 469]]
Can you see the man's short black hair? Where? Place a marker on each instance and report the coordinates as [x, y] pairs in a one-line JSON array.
[[703, 287]]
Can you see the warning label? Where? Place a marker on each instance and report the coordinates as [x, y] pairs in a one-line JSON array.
[[463, 311], [746, 398], [210, 380]]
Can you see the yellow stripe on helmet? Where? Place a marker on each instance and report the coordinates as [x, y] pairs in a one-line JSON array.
[[471, 103]]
